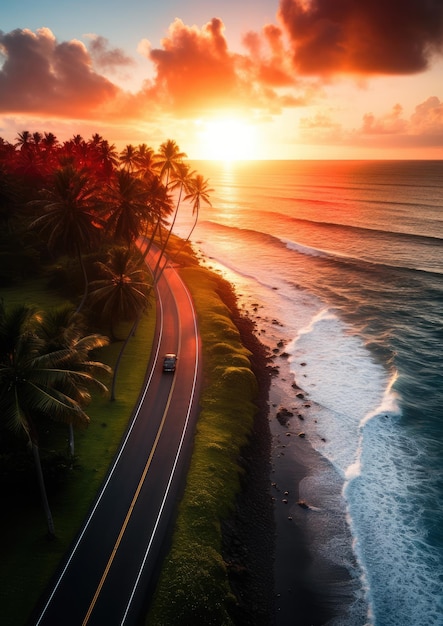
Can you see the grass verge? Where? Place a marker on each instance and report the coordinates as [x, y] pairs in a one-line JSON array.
[[194, 586]]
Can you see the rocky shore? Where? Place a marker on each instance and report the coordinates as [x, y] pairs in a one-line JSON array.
[[254, 541], [249, 536]]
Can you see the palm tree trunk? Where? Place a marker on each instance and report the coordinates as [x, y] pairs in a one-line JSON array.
[[151, 241], [163, 248], [41, 484], [185, 241]]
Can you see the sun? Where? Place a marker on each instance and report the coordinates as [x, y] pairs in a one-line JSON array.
[[227, 140]]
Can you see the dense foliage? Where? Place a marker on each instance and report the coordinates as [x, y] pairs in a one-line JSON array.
[[83, 217]]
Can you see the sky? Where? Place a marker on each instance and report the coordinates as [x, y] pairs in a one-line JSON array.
[[229, 79]]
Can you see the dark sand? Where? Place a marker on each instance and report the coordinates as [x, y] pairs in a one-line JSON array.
[[267, 544]]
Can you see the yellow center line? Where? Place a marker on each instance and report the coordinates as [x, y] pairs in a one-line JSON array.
[[129, 513]]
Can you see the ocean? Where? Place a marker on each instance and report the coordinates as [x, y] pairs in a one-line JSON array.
[[340, 264]]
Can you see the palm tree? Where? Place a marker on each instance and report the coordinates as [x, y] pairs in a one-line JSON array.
[[71, 219], [145, 162], [159, 206], [181, 179], [128, 198], [37, 138], [49, 141], [34, 384], [122, 290], [167, 161], [50, 147], [198, 192], [95, 140], [64, 329], [108, 158], [168, 158], [122, 294], [24, 139], [128, 157], [7, 153], [28, 156], [78, 150]]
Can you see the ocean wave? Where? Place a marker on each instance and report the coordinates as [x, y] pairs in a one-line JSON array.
[[387, 500], [338, 373], [407, 237], [248, 235], [350, 259], [336, 188]]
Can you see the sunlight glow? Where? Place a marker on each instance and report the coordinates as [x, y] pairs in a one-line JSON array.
[[227, 140]]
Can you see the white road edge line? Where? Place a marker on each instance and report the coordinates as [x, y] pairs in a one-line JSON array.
[[185, 427], [105, 485]]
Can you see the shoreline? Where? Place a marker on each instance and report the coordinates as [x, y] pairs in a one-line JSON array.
[[277, 579]]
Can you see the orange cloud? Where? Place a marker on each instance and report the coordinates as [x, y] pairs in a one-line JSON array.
[[362, 36], [40, 75], [194, 65], [321, 128], [389, 124], [428, 119], [269, 61], [196, 72], [424, 126]]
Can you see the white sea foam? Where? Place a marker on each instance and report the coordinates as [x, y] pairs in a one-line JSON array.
[[337, 372], [404, 572], [309, 250], [356, 426]]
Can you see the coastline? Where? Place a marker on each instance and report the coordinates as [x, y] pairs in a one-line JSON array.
[[267, 543]]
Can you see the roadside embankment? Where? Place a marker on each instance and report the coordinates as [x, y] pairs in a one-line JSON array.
[[219, 568]]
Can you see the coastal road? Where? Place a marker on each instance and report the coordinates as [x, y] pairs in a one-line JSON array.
[[115, 559]]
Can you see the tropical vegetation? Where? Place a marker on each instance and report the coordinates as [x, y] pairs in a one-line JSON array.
[[86, 217], [79, 218]]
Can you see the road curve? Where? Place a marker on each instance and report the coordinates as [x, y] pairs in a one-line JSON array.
[[114, 561]]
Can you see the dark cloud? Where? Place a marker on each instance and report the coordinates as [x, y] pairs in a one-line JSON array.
[[362, 36], [40, 75]]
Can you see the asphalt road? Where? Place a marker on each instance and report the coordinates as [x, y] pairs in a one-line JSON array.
[[114, 561]]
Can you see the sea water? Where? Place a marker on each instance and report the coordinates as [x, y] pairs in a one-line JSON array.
[[342, 263]]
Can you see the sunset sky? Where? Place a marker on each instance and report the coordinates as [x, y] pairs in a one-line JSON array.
[[317, 79]]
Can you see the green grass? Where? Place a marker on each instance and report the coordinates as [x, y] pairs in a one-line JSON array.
[[193, 586], [28, 559]]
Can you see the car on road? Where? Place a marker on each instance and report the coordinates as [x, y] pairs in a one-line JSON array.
[[169, 362]]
